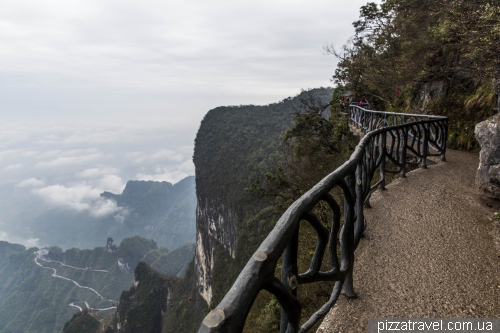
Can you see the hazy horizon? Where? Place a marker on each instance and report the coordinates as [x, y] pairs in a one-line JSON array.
[[98, 93]]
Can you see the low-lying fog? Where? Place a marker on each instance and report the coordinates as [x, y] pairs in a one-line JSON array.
[[55, 166]]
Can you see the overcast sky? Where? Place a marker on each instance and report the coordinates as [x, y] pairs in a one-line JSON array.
[[63, 59], [96, 92]]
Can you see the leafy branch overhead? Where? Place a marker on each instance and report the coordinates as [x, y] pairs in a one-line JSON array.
[[404, 42], [320, 128], [426, 56], [318, 141]]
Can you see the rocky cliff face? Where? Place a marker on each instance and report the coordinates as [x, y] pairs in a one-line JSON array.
[[488, 173], [215, 224], [234, 145], [218, 222], [428, 92]]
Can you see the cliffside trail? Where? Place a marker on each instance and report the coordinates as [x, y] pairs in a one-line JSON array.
[[431, 249]]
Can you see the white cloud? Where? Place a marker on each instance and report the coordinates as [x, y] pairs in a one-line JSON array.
[[187, 166], [209, 41], [153, 141], [121, 215], [47, 139], [97, 172], [159, 155], [169, 176], [166, 154], [103, 207], [65, 161], [30, 153], [173, 174], [31, 182], [84, 196], [112, 183], [51, 153], [29, 242], [78, 197], [85, 57], [9, 153], [13, 166]]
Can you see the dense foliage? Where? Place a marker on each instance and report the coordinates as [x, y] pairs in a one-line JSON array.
[[82, 321], [187, 308], [233, 147], [32, 300], [143, 306], [175, 262], [318, 142], [257, 160], [427, 56], [158, 303], [133, 249]]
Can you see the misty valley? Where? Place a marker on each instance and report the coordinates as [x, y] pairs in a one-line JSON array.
[[164, 253], [127, 207], [43, 287]]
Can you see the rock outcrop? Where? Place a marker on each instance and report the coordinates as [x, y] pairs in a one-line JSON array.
[[215, 224], [488, 174], [233, 147], [428, 92]]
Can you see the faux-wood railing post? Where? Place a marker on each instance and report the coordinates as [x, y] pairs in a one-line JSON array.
[[404, 145], [289, 273], [425, 146], [348, 287], [445, 130], [359, 224], [382, 146]]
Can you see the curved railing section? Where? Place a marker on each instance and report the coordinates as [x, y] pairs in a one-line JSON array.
[[391, 142]]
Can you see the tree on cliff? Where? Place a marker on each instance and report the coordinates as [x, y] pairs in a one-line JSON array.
[[405, 41], [317, 143], [401, 46]]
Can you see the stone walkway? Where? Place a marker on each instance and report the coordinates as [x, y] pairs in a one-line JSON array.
[[431, 250]]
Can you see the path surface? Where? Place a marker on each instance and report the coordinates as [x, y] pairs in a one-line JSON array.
[[431, 249]]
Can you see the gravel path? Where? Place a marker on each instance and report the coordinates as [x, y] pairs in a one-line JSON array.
[[431, 249]]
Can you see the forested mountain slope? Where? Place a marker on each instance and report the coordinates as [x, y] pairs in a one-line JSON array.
[[42, 288], [406, 56], [425, 56], [233, 147], [161, 211]]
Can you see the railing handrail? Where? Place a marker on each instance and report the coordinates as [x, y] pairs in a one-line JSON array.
[[402, 114], [391, 143]]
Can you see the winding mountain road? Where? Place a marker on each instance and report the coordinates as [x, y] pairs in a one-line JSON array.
[[72, 304], [54, 274], [74, 267]]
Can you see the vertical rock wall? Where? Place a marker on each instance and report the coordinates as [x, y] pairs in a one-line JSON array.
[[428, 92], [215, 224], [488, 174], [234, 146]]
